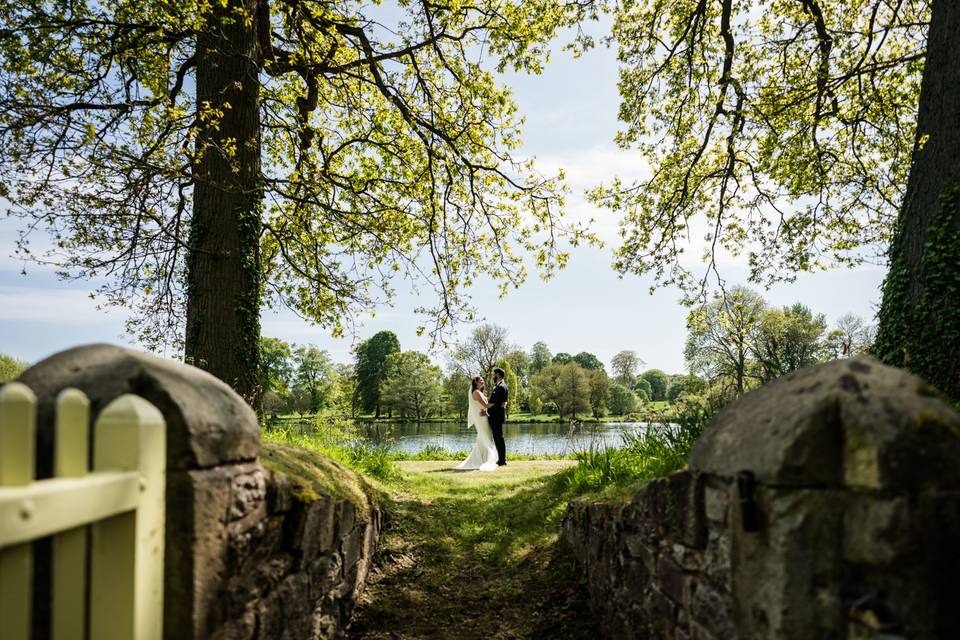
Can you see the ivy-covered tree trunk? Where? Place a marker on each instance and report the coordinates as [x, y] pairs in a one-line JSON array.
[[223, 270], [919, 319]]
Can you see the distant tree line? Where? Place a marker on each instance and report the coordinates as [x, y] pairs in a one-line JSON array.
[[738, 341]]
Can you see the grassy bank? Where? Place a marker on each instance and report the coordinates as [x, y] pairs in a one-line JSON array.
[[650, 411], [474, 555]]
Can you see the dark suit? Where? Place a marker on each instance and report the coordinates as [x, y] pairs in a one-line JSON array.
[[497, 415]]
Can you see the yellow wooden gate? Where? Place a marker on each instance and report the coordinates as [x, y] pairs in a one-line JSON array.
[[119, 504]]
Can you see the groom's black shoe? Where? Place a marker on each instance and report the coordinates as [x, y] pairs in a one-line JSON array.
[[501, 464]]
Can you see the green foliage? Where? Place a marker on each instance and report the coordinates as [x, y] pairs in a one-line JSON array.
[[787, 130], [562, 358], [685, 385], [788, 339], [588, 361], [642, 388], [276, 366], [565, 386], [412, 385], [622, 400], [912, 333], [456, 388], [540, 357], [371, 358], [625, 366], [536, 405], [722, 336], [340, 440], [11, 368], [658, 382], [380, 147], [658, 450], [599, 392], [315, 378]]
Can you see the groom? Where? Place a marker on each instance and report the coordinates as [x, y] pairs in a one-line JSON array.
[[497, 414]]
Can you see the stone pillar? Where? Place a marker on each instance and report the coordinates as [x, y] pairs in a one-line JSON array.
[[216, 489], [848, 524], [856, 503]]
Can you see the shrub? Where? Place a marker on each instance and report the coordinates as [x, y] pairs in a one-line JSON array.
[[656, 451]]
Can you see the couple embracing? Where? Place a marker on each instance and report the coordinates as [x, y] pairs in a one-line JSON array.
[[487, 416]]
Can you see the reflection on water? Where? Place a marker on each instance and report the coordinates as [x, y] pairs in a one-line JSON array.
[[526, 438]]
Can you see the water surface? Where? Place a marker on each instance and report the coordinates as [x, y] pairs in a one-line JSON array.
[[526, 438]]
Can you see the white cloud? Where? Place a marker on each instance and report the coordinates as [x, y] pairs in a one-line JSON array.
[[61, 306]]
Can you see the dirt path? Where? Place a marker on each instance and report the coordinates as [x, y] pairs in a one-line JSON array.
[[474, 555]]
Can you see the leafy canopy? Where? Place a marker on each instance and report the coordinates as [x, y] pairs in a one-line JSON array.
[[781, 129], [387, 146]]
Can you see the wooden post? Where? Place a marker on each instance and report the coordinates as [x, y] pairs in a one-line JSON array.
[[127, 552], [18, 414], [70, 547]]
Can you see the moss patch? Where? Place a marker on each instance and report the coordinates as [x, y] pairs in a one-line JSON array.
[[314, 474]]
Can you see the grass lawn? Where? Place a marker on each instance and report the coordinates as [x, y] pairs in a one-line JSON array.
[[474, 555]]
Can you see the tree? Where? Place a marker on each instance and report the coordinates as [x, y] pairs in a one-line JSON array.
[[540, 357], [658, 382], [685, 385], [851, 336], [276, 366], [788, 339], [456, 388], [10, 368], [274, 403], [301, 400], [479, 353], [536, 405], [625, 366], [919, 316], [622, 400], [210, 158], [721, 336], [412, 385], [371, 359], [642, 388], [786, 134], [565, 386], [599, 391], [316, 375], [346, 393], [519, 362], [562, 358], [588, 361]]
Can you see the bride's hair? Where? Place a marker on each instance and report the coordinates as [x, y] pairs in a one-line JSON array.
[[474, 383]]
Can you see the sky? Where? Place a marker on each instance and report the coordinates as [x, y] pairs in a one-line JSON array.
[[571, 120]]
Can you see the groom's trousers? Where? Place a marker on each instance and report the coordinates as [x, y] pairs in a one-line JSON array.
[[497, 428]]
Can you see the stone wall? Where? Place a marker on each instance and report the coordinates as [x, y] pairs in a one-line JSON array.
[[844, 523], [259, 544]]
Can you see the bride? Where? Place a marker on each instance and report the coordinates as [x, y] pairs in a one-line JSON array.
[[484, 454]]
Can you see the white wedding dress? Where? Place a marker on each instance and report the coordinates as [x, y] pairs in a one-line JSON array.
[[484, 454]]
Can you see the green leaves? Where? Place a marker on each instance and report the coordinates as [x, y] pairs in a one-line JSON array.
[[387, 148], [781, 129]]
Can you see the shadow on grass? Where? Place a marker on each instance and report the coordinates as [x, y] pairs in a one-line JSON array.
[[461, 561]]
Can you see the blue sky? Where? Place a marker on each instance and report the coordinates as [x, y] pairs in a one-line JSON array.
[[571, 112]]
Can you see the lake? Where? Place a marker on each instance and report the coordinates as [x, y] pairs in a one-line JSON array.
[[526, 438]]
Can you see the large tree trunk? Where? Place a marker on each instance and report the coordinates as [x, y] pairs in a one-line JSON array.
[[223, 266], [920, 313]]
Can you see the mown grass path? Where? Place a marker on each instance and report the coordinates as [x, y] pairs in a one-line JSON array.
[[474, 555]]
